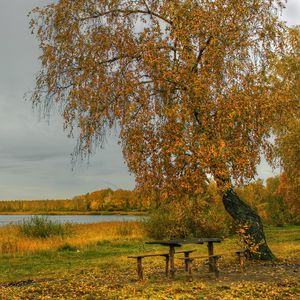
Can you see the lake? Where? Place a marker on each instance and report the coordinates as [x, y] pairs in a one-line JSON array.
[[83, 219]]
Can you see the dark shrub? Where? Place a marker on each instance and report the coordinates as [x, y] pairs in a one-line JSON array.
[[66, 247], [188, 218], [42, 227]]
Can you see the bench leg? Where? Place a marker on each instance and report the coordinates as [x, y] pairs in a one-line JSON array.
[[139, 268], [214, 264], [167, 265], [172, 265], [189, 267], [216, 267], [186, 261], [242, 259]]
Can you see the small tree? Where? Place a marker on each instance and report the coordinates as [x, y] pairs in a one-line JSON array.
[[287, 144], [187, 83]]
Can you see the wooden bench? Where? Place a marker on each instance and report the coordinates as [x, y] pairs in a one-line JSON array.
[[242, 255], [140, 266], [213, 261], [167, 257]]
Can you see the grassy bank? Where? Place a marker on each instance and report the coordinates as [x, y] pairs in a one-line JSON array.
[[93, 264], [12, 242]]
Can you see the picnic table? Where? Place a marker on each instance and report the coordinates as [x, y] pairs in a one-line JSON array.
[[172, 244]]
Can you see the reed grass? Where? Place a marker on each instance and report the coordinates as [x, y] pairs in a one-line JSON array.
[[42, 227]]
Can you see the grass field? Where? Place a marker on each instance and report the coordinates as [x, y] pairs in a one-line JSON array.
[[92, 263]]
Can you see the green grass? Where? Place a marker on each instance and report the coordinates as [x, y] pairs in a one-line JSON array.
[[283, 234], [102, 271], [48, 263]]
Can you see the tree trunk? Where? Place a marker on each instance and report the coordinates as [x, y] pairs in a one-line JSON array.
[[249, 226]]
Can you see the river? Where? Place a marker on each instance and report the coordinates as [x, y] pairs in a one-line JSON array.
[[82, 219]]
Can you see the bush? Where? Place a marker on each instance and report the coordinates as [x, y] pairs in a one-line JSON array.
[[162, 223], [188, 218], [42, 227]]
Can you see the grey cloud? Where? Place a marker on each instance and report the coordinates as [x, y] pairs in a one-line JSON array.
[[35, 157], [291, 13]]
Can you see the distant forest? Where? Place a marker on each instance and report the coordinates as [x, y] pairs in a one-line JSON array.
[[273, 201], [101, 200]]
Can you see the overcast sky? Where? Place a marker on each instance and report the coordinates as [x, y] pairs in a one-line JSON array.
[[34, 155]]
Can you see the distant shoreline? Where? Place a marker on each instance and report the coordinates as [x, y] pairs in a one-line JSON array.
[[131, 213]]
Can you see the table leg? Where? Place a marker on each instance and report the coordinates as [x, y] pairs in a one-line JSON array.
[[186, 255], [210, 247], [172, 266]]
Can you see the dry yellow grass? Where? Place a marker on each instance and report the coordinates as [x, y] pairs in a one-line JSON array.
[[12, 241]]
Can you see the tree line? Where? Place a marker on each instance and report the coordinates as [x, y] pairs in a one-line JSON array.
[[100, 200], [273, 201]]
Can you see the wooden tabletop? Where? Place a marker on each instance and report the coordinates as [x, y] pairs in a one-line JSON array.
[[180, 242]]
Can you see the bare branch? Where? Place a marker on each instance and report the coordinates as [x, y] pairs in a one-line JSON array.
[[201, 51], [128, 12]]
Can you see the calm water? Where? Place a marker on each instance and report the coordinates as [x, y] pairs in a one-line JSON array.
[[15, 219]]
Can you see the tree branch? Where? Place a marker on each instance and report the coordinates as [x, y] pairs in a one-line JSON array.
[[128, 12], [148, 9], [116, 58], [201, 51]]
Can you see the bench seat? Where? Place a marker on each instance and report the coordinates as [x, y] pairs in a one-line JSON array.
[[186, 252]]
